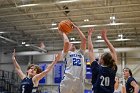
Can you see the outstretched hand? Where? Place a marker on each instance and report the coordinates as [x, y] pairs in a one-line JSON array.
[[57, 57], [103, 33], [73, 25], [90, 31]]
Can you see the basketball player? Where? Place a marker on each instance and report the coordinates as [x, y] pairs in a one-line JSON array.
[[131, 83], [72, 81], [118, 87], [104, 72], [29, 83]]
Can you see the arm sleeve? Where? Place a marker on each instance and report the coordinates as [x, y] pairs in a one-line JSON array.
[[94, 65], [95, 71]]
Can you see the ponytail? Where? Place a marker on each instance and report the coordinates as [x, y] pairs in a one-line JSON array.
[[109, 61]]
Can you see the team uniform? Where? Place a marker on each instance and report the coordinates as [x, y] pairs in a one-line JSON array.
[[103, 78], [119, 89], [72, 81], [129, 88], [27, 86]]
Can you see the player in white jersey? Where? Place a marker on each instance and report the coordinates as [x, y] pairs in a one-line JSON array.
[[118, 87], [73, 74]]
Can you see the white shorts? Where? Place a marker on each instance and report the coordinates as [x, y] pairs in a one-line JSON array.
[[71, 85]]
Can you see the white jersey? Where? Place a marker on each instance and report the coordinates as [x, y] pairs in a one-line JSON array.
[[74, 63], [119, 89]]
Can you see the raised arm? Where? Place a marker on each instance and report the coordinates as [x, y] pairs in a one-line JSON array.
[[90, 46], [67, 44], [110, 46], [82, 37], [17, 67], [136, 87], [39, 76]]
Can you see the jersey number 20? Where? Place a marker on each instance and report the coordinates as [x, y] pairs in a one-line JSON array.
[[76, 62], [105, 81]]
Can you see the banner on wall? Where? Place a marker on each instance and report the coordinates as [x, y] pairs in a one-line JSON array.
[[58, 72], [43, 67], [88, 91], [88, 70]]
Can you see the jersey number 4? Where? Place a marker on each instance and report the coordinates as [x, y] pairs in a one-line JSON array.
[[105, 81], [76, 62]]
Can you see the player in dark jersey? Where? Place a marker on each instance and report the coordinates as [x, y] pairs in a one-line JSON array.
[[29, 83], [104, 72], [131, 83]]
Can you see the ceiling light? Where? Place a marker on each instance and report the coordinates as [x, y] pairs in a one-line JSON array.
[[88, 25], [99, 37], [120, 35], [23, 43], [27, 5], [54, 28], [86, 20], [114, 40], [54, 24], [75, 42], [110, 24], [116, 23], [2, 32], [72, 38], [99, 41], [122, 39], [112, 18], [27, 45], [68, 1]]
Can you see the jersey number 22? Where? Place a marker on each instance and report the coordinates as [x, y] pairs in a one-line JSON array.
[[76, 62]]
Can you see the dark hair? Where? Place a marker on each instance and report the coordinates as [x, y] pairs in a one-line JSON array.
[[108, 60], [130, 72], [75, 46], [37, 68]]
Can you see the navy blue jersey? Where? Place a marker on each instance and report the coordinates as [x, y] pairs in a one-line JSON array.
[[103, 78], [129, 88], [27, 86]]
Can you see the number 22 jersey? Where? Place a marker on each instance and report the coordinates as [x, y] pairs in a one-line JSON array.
[[74, 63]]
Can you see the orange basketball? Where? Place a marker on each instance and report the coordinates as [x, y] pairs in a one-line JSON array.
[[65, 26]]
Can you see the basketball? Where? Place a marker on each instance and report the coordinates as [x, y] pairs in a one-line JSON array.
[[65, 26]]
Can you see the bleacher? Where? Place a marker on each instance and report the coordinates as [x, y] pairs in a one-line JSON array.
[[9, 82]]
